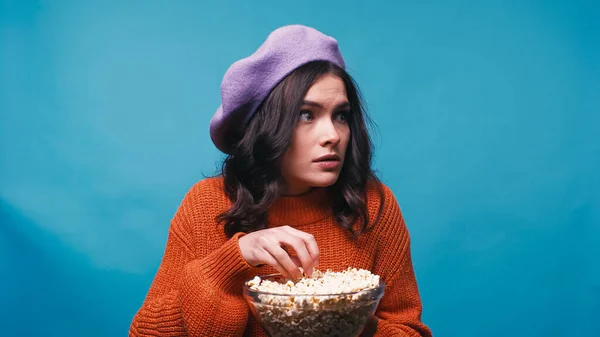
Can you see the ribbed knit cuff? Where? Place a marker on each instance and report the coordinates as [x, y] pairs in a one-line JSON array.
[[385, 329], [162, 316], [226, 267]]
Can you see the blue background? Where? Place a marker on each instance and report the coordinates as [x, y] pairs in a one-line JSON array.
[[488, 121]]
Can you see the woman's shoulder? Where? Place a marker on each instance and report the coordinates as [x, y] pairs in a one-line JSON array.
[[383, 207], [379, 193], [209, 191], [201, 204], [209, 184]]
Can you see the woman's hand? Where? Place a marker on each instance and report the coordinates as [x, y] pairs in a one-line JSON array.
[[267, 247]]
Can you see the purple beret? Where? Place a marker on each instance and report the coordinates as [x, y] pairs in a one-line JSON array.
[[249, 81]]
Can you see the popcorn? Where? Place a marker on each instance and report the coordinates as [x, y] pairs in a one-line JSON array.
[[346, 281], [326, 304]]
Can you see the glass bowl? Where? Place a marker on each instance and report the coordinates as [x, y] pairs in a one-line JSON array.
[[291, 315]]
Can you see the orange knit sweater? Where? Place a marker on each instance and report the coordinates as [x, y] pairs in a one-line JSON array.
[[197, 290]]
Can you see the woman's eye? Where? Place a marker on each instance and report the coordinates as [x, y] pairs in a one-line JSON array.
[[342, 116], [306, 115]]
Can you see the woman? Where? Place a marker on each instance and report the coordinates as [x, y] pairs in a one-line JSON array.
[[296, 190]]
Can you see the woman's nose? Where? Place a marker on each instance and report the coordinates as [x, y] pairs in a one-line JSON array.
[[329, 133]]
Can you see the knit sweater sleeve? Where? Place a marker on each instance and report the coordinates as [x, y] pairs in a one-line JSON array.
[[194, 292], [399, 312]]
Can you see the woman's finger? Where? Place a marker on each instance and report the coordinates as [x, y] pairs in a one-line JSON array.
[[283, 259], [309, 241], [272, 261], [296, 261], [299, 246]]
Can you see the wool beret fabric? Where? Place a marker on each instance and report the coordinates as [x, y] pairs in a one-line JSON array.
[[248, 82]]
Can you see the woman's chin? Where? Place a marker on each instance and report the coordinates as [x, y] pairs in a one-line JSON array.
[[324, 179]]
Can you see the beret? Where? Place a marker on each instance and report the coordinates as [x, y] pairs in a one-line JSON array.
[[248, 82]]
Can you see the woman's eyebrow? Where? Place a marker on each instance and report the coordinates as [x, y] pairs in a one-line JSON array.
[[341, 105]]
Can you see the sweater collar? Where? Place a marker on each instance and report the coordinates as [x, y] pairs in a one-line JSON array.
[[307, 208]]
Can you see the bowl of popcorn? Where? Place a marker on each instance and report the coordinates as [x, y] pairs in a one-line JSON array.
[[326, 304]]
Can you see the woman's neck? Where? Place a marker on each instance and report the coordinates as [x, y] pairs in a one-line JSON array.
[[296, 193], [296, 190], [308, 207]]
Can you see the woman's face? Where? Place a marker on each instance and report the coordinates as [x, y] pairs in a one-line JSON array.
[[316, 154]]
